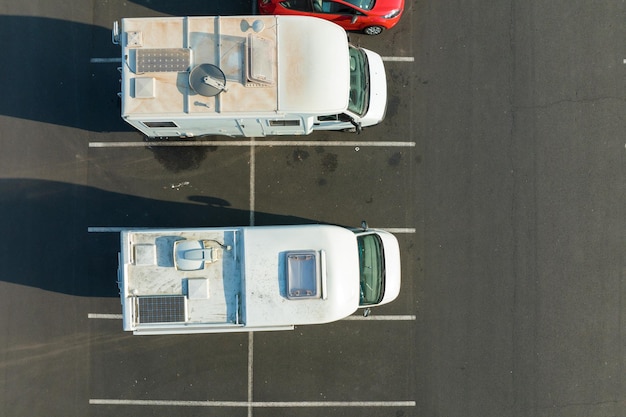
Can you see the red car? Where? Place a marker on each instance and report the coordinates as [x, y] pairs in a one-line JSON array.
[[368, 16]]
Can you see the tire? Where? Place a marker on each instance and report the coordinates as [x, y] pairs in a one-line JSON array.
[[373, 30]]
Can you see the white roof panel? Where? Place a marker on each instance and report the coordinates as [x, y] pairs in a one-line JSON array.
[[314, 66]]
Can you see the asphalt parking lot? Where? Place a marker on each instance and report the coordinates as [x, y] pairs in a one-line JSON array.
[[499, 167]]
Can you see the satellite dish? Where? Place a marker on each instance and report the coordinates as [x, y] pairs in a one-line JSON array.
[[207, 80]]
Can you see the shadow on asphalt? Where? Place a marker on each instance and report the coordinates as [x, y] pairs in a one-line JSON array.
[[46, 242], [48, 74]]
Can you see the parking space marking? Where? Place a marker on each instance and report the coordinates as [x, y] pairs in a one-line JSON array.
[[105, 229], [389, 317], [106, 60], [382, 318], [398, 230], [119, 60], [104, 316], [252, 180], [239, 143], [250, 371], [398, 58], [117, 229], [252, 404]]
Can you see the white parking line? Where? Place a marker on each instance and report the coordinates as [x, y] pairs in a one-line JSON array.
[[97, 229], [235, 143], [252, 404], [381, 318], [116, 229], [398, 58], [104, 316], [252, 180], [105, 60], [119, 60], [399, 317], [250, 371], [398, 230]]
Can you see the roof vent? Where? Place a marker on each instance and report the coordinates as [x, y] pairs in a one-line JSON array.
[[260, 60], [145, 254], [134, 39], [144, 87], [303, 275]]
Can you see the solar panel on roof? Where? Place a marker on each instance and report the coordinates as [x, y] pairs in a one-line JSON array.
[[162, 60], [161, 309]]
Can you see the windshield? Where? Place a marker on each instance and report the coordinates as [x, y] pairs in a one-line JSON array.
[[359, 82], [372, 267]]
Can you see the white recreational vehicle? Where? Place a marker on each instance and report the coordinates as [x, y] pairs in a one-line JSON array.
[[246, 76], [212, 280]]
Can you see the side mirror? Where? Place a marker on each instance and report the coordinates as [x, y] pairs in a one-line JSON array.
[[357, 126], [364, 225], [354, 19]]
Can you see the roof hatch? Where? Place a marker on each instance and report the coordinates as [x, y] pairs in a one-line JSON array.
[[304, 275], [261, 60]]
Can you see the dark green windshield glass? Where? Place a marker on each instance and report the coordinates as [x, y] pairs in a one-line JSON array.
[[372, 265], [359, 82]]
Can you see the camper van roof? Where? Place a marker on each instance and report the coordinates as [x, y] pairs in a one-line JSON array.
[[253, 276], [195, 66]]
